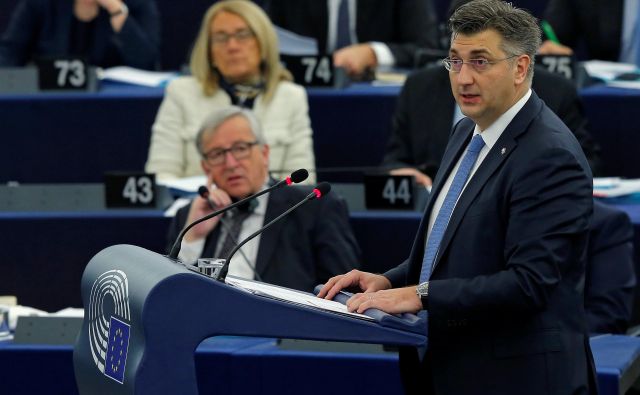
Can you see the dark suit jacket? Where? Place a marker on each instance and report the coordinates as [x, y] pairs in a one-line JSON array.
[[595, 23], [42, 28], [506, 302], [404, 25], [610, 274], [306, 248], [424, 113]]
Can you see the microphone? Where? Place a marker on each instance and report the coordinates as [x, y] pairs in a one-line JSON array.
[[203, 191], [320, 190], [295, 177]]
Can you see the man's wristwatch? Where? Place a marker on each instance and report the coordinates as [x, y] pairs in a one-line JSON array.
[[422, 290], [123, 10]]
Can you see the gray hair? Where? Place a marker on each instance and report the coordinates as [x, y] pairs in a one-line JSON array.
[[519, 29], [218, 117]]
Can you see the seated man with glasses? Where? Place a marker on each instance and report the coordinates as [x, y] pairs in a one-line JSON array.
[[306, 248]]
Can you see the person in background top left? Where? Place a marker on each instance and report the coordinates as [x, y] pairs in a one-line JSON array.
[[106, 33], [234, 62]]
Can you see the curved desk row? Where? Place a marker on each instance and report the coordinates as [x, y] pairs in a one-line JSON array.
[[54, 138]]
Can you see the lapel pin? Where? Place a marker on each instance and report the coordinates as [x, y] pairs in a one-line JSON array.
[[503, 150]]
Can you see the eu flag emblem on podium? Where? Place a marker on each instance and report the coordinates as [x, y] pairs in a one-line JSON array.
[[117, 346]]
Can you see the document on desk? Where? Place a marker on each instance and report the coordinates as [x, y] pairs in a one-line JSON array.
[[292, 296], [611, 187]]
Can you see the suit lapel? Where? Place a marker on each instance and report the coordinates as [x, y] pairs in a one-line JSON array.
[[277, 204], [494, 159]]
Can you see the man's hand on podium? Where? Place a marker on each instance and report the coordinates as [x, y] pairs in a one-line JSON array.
[[364, 281], [392, 301]]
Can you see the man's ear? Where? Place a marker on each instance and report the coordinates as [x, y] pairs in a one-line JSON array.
[[205, 167], [522, 66], [265, 154]]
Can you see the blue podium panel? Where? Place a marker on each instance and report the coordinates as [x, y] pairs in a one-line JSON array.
[[282, 372], [169, 309]]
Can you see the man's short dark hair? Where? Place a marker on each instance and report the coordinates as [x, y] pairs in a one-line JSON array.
[[519, 29]]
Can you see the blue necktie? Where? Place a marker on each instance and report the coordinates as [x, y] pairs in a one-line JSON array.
[[343, 37], [440, 224]]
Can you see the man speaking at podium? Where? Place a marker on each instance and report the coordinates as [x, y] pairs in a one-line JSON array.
[[303, 250], [498, 262]]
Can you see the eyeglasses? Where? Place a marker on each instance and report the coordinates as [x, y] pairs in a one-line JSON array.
[[239, 150], [240, 36], [455, 65]]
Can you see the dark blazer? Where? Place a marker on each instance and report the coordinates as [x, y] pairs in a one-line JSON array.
[[506, 302], [306, 248], [595, 23], [42, 28], [424, 113], [610, 274], [403, 25]]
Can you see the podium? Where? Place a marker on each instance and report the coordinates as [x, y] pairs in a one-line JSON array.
[[145, 314]]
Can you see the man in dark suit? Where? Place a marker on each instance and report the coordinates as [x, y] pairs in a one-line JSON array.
[[386, 32], [499, 258], [610, 275], [306, 248], [601, 25], [426, 112], [106, 32]]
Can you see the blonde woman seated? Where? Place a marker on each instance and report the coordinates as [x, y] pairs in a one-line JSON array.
[[234, 61]]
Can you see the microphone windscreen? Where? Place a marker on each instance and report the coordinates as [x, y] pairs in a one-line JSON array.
[[299, 175], [322, 189], [203, 191]]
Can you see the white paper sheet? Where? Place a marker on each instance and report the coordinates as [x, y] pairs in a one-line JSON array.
[[133, 76], [292, 296]]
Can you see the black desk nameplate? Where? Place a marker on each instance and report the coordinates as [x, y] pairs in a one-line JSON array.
[[63, 74], [130, 190], [314, 70], [563, 65], [388, 192]]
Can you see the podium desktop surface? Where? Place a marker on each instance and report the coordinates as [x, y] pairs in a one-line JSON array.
[[88, 134], [240, 365]]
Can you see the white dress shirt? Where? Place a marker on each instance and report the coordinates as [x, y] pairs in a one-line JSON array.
[[382, 51], [243, 262]]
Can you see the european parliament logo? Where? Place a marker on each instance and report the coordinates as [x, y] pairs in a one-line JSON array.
[[109, 330], [117, 349]]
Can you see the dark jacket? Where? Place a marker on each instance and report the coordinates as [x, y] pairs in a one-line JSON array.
[[306, 248], [42, 28], [403, 25], [506, 301]]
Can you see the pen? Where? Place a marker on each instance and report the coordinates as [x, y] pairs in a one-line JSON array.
[[548, 31]]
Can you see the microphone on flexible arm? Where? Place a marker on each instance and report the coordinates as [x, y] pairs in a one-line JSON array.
[[295, 177], [203, 191], [320, 190]]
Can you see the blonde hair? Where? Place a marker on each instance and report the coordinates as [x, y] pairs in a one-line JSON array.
[[271, 69]]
